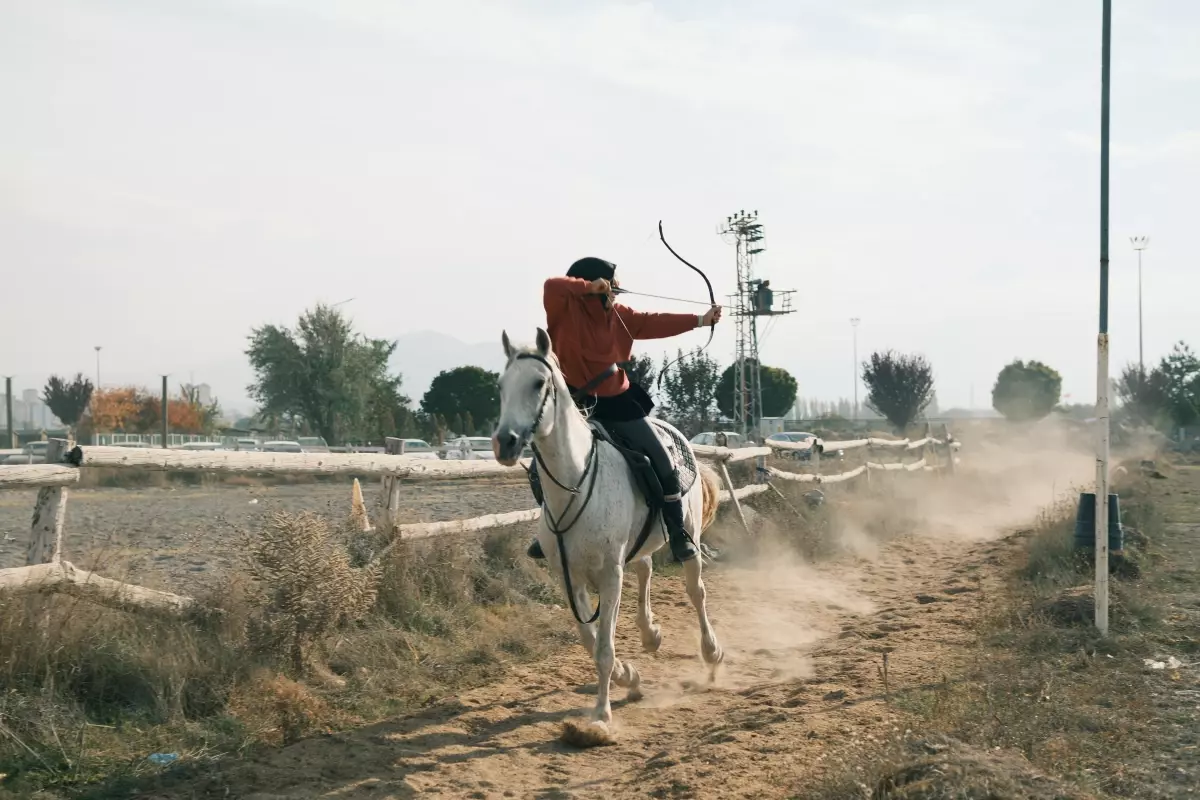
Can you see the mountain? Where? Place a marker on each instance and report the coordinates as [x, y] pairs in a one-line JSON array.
[[421, 355]]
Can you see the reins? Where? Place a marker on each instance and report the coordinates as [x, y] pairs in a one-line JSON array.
[[591, 468]]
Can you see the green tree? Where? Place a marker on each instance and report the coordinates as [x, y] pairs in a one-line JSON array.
[[689, 390], [322, 374], [68, 400], [464, 390], [778, 389], [1181, 382], [641, 371], [1026, 391], [1143, 395], [899, 387]]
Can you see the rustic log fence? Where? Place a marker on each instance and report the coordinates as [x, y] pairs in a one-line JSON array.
[[46, 571]]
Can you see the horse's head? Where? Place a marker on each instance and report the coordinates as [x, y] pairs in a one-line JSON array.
[[527, 389]]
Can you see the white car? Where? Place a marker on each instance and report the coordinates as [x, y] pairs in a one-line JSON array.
[[282, 447], [470, 448], [719, 439], [203, 446], [419, 448], [32, 453]]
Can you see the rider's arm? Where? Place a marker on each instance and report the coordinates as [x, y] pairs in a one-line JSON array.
[[645, 325], [557, 290]]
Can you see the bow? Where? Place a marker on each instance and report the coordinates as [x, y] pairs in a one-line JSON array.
[[712, 299]]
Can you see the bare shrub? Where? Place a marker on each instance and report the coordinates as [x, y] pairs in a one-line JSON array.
[[304, 568]]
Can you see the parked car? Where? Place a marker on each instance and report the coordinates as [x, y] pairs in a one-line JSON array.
[[313, 444], [720, 439], [32, 453], [479, 447], [249, 445], [797, 437], [202, 446], [282, 447], [419, 448]]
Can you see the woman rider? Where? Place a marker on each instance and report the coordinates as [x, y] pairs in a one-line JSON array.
[[591, 334]]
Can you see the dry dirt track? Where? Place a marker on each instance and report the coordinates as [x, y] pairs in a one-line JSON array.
[[802, 680]]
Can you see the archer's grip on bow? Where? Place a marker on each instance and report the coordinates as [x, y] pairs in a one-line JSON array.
[[712, 317]]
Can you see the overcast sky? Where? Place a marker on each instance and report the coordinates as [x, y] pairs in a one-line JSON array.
[[173, 173]]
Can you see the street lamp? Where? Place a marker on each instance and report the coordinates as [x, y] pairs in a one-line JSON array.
[[98, 348], [854, 326], [1140, 243]]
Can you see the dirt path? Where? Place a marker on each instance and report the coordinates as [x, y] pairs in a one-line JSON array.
[[802, 678]]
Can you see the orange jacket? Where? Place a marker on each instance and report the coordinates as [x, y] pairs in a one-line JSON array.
[[588, 339]]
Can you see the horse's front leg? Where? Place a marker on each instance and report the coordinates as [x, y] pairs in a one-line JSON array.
[[651, 633], [606, 634], [710, 649]]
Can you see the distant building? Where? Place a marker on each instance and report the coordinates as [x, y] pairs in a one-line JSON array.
[[29, 413], [204, 394]]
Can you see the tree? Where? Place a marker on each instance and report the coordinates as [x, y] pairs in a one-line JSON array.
[[1026, 391], [464, 390], [68, 400], [1181, 382], [778, 390], [899, 387], [324, 373], [641, 371], [689, 390], [1144, 395]]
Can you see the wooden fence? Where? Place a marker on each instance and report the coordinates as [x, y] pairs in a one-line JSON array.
[[46, 570]]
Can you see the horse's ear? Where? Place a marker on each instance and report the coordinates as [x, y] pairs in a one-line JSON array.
[[508, 348], [543, 342]]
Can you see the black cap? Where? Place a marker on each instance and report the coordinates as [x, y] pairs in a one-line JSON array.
[[590, 269]]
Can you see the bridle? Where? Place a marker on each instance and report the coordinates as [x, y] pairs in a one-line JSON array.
[[591, 469]]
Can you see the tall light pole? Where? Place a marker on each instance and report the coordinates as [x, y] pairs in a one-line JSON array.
[[854, 327], [1140, 243], [1102, 420], [98, 349]]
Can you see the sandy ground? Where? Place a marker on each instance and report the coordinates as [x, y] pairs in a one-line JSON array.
[[802, 678], [182, 539]]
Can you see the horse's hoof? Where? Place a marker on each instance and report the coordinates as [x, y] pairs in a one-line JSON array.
[[713, 657], [634, 684], [628, 678], [653, 640], [587, 733]]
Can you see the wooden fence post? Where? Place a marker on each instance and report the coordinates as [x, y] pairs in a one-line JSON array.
[[949, 445], [737, 506], [45, 541], [393, 446]]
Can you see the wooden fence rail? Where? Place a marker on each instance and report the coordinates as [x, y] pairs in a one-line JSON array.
[[47, 572]]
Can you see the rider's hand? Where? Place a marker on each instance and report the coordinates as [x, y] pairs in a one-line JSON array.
[[600, 286], [712, 317]]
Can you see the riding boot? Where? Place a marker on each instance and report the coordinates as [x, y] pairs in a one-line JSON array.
[[535, 550], [682, 547]]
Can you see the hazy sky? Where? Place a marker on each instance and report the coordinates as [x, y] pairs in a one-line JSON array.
[[173, 173]]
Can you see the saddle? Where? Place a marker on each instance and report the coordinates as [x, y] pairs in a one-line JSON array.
[[645, 478]]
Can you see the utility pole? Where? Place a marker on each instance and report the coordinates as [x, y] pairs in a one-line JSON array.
[[1102, 413], [12, 442], [165, 425], [854, 326], [98, 349], [754, 299], [1140, 243]]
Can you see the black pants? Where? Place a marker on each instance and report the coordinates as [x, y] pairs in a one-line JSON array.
[[639, 434]]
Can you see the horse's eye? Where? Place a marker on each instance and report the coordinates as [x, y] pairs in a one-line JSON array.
[[538, 384]]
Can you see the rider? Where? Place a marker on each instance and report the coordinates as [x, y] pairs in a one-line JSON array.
[[591, 334]]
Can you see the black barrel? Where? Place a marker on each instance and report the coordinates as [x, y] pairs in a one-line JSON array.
[[1085, 523]]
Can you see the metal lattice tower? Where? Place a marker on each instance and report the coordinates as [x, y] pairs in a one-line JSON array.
[[754, 299]]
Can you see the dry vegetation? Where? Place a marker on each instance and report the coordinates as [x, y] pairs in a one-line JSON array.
[[1046, 708], [306, 642]]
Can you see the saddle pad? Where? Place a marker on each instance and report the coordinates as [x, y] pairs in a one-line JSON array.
[[680, 452]]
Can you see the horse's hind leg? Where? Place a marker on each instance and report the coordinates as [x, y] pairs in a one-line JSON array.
[[710, 649], [651, 633]]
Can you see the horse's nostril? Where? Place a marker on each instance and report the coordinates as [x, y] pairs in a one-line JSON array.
[[511, 439]]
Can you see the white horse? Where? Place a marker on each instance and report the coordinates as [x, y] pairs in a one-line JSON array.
[[590, 497]]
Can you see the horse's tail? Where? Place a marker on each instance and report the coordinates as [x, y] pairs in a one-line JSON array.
[[711, 492]]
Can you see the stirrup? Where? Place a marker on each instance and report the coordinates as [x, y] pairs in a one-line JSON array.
[[535, 550]]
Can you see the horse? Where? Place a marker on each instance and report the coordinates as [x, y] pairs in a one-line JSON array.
[[592, 516]]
